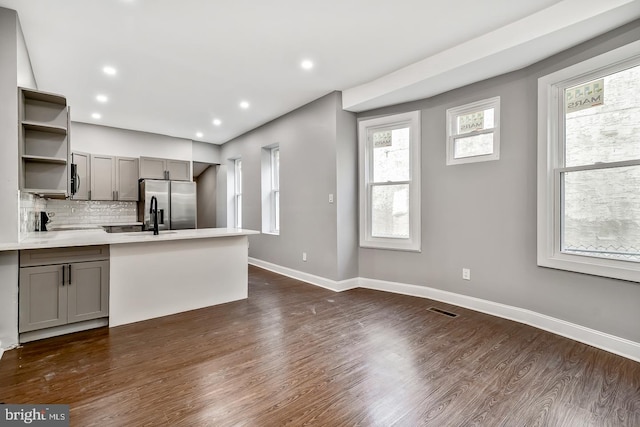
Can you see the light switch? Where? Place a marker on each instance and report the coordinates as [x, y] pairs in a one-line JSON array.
[[330, 198]]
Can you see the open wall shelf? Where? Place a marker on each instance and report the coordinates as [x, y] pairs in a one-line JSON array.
[[44, 143]]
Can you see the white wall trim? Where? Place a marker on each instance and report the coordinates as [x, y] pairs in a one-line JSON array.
[[592, 337], [336, 286]]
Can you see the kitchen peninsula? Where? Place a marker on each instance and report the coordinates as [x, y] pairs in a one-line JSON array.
[[153, 276]]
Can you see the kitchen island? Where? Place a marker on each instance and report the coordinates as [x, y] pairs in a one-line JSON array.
[[153, 276]]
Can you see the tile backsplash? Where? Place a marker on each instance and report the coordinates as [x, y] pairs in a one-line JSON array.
[[29, 205], [68, 212], [73, 212]]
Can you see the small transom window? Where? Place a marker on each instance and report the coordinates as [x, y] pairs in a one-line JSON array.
[[473, 132]]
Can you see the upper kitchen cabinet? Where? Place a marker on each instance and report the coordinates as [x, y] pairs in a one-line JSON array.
[[80, 174], [178, 170], [44, 143], [156, 168], [127, 178], [103, 177], [114, 178]]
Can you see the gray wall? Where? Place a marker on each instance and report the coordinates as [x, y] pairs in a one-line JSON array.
[[206, 190], [25, 72], [112, 141], [205, 152], [483, 215], [308, 138], [9, 125], [9, 47], [346, 198]]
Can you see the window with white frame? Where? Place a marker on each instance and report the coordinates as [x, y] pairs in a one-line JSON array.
[[270, 183], [390, 182], [237, 193], [589, 166], [275, 189], [473, 132]]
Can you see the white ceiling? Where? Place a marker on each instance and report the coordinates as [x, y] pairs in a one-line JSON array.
[[182, 64]]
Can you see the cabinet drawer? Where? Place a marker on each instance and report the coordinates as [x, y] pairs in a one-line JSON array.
[[32, 257]]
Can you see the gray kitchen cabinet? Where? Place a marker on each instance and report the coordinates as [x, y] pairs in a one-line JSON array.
[[43, 298], [43, 143], [152, 168], [87, 291], [157, 168], [81, 181], [114, 178], [127, 178], [103, 177], [178, 170], [71, 286]]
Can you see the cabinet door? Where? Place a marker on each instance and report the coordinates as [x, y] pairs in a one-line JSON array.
[[88, 291], [179, 170], [82, 182], [43, 297], [152, 168], [127, 178], [103, 177]]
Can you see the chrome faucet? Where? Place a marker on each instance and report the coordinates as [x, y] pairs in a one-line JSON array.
[[154, 212]]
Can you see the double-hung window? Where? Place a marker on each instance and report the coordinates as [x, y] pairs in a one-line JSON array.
[[275, 190], [589, 166], [237, 196], [270, 186], [390, 182]]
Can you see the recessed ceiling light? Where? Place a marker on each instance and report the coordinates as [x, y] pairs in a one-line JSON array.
[[199, 134], [244, 105], [217, 122], [102, 98], [96, 116], [306, 64], [110, 70]]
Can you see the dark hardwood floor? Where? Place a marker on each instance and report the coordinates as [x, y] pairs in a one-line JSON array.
[[295, 354]]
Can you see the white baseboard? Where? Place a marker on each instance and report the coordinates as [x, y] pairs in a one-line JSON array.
[[592, 337], [63, 329], [336, 286]]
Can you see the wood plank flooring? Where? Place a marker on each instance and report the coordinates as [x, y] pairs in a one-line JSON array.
[[295, 354]]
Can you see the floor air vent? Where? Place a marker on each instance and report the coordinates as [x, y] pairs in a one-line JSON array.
[[443, 312]]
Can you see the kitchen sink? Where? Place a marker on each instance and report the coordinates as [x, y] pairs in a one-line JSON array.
[[122, 228]]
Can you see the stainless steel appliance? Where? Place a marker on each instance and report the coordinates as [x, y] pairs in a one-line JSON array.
[[176, 204]]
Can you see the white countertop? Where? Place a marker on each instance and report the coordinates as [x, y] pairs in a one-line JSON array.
[[58, 239]]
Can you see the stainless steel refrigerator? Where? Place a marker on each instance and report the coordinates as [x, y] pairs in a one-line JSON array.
[[176, 204]]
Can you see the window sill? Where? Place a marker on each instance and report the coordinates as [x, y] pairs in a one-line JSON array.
[[414, 247], [621, 270], [271, 233]]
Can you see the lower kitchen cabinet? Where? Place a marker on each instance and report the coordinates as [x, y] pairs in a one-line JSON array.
[[71, 288]]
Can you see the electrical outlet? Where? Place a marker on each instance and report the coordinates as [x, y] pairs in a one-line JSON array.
[[304, 256], [330, 198], [466, 274]]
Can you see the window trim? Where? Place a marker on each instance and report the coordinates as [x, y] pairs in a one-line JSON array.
[[237, 192], [275, 191], [453, 113], [551, 165], [267, 195], [413, 243]]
